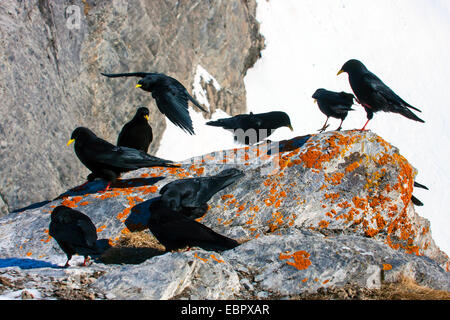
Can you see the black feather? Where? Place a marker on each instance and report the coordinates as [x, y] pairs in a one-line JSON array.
[[175, 231]]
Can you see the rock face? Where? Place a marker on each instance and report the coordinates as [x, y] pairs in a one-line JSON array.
[[319, 211], [51, 58]]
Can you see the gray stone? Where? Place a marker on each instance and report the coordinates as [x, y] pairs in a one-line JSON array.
[[328, 211], [50, 81]]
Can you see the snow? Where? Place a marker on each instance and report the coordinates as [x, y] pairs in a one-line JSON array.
[[198, 90], [177, 145], [404, 42]]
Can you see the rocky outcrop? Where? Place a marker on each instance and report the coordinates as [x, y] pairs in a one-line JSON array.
[[51, 58], [321, 211]]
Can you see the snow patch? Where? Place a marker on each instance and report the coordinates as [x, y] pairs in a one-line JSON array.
[[198, 91]]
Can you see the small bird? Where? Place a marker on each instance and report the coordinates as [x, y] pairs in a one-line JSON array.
[[107, 161], [137, 133], [74, 232], [190, 196], [333, 104], [170, 95], [175, 231], [373, 94], [252, 128]]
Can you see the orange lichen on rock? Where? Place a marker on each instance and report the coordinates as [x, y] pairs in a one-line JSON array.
[[200, 258], [359, 203], [387, 266], [215, 259], [227, 196], [323, 224], [352, 167], [72, 203], [101, 228], [301, 259]]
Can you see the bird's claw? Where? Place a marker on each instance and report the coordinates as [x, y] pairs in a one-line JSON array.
[[323, 128]]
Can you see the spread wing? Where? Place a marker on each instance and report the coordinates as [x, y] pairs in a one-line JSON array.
[[174, 105]]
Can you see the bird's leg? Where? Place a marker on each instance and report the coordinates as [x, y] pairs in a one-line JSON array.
[[340, 125], [364, 128], [86, 260], [106, 189], [324, 126], [67, 263]]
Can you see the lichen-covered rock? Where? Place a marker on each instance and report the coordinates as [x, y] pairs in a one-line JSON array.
[[321, 210], [51, 56]]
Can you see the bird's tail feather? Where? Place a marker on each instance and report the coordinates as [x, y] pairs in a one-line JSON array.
[[410, 115], [416, 201], [419, 185]]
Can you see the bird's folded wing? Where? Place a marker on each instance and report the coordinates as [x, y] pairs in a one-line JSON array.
[[128, 158], [188, 229], [384, 94], [89, 231], [71, 233]]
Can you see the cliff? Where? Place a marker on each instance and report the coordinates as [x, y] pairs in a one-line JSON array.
[[51, 58], [319, 212]]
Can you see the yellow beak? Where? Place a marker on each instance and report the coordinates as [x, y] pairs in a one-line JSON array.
[[290, 127], [315, 100], [340, 71], [138, 85], [146, 117], [70, 142]]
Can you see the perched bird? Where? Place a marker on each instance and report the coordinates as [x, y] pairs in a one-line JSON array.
[[137, 133], [373, 94], [190, 196], [175, 231], [170, 95], [252, 128], [74, 232], [333, 104], [107, 161]]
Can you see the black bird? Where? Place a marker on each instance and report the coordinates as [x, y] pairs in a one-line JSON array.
[[414, 200], [170, 95], [107, 161], [373, 94], [252, 128], [74, 232], [333, 104], [175, 231], [137, 133], [190, 196]]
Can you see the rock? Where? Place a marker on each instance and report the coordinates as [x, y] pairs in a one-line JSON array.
[[51, 58], [329, 212]]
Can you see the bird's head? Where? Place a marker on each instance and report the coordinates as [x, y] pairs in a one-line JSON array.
[[143, 112], [146, 83], [80, 133], [318, 94], [57, 212], [352, 66], [285, 121]]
